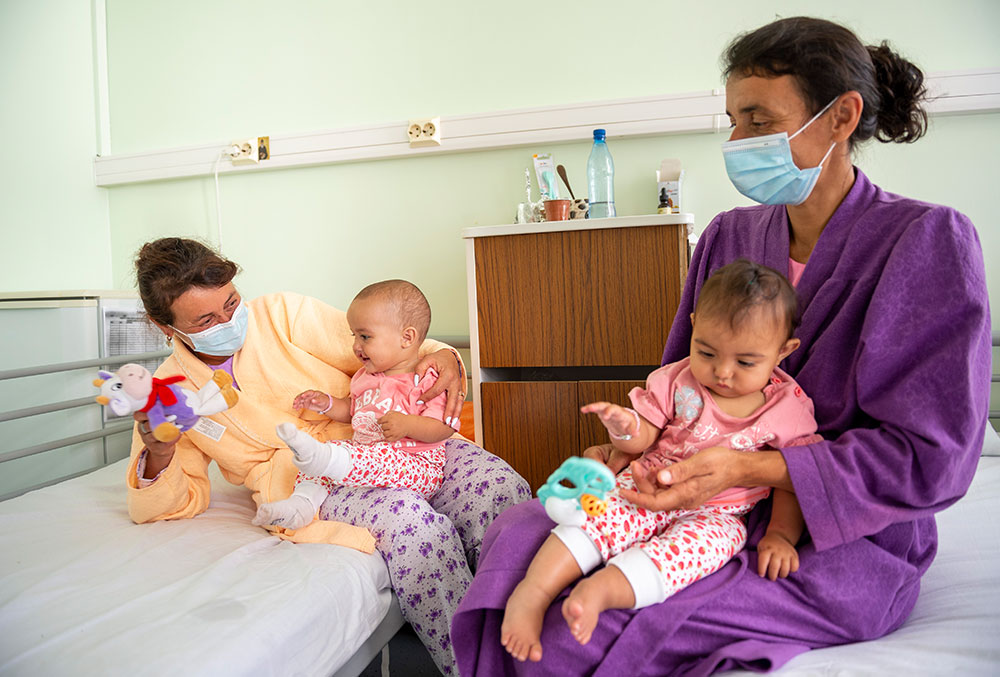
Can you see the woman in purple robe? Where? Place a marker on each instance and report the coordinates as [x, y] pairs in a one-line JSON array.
[[895, 353]]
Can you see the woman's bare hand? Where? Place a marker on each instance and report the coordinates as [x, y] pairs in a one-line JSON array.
[[159, 453], [688, 483], [451, 379]]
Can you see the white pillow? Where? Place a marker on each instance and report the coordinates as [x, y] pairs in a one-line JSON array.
[[991, 445]]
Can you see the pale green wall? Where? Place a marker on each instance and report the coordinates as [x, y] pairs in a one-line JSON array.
[[180, 74], [54, 222]]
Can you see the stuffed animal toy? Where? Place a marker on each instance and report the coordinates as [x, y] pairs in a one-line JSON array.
[[171, 409]]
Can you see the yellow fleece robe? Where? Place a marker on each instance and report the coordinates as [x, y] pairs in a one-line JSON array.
[[293, 343]]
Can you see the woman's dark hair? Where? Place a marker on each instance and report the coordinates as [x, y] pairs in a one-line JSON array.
[[736, 290], [826, 60], [168, 267]]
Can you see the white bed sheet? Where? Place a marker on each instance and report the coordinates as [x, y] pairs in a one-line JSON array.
[[955, 625], [85, 591]]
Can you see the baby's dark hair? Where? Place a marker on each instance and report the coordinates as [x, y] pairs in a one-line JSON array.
[[742, 287], [408, 302]]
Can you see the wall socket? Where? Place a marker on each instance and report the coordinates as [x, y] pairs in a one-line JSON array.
[[249, 151], [424, 132]]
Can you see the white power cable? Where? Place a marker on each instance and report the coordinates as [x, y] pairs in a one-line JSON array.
[[218, 200]]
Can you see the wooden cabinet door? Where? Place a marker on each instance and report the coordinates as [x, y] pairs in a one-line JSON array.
[[578, 298], [536, 425], [592, 431], [533, 425]]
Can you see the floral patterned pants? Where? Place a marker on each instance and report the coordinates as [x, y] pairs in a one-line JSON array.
[[684, 545], [379, 464], [431, 545]]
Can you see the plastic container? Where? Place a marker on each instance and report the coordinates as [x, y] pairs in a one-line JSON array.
[[556, 210], [601, 178]]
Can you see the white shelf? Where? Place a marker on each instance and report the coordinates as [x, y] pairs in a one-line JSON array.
[[579, 224]]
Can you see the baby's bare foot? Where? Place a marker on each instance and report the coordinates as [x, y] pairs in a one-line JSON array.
[[583, 607], [521, 630]]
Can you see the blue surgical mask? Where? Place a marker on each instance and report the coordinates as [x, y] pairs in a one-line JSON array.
[[223, 339], [761, 167]]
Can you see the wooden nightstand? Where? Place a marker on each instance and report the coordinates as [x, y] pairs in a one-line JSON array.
[[561, 314]]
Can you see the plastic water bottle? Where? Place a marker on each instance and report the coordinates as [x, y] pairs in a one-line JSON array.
[[601, 178]]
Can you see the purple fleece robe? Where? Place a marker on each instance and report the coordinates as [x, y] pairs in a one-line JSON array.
[[896, 356]]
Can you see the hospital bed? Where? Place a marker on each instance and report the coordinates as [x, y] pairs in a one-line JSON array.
[[83, 590]]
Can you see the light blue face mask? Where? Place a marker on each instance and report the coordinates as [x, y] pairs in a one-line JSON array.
[[223, 339], [761, 167]]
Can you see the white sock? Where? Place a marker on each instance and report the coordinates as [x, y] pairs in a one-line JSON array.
[[315, 458], [294, 512]]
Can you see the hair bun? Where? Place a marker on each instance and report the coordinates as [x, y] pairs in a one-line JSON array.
[[901, 117]]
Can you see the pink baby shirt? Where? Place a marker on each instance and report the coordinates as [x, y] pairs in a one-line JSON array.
[[375, 395], [690, 421]]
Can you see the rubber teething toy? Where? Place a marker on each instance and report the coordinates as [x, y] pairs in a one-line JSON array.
[[570, 505]]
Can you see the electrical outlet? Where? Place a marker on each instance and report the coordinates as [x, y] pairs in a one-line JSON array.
[[424, 132], [248, 151]]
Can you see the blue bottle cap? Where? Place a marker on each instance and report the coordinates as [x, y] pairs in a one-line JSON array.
[[598, 135]]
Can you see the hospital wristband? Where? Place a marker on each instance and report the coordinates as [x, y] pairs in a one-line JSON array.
[[627, 436]]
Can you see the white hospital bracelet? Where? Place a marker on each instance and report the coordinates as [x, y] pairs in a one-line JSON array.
[[627, 436]]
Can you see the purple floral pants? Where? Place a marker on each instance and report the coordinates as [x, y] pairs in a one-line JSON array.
[[431, 546]]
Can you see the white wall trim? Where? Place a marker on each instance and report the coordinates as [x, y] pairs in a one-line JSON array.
[[952, 92]]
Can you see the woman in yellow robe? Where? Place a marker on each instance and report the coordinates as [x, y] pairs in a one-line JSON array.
[[275, 347]]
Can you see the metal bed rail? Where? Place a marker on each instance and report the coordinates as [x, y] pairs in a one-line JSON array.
[[81, 364], [107, 428]]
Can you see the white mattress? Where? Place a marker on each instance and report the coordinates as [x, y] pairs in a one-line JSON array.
[[955, 625], [85, 591]]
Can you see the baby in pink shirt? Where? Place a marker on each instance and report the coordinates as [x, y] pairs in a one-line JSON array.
[[730, 393], [398, 437]]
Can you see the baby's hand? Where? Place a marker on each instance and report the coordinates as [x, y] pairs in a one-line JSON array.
[[618, 420], [776, 556], [393, 426], [313, 400]]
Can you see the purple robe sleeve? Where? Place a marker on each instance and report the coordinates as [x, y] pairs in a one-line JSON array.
[[919, 379]]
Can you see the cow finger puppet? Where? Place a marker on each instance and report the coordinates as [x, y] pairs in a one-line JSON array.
[[171, 409]]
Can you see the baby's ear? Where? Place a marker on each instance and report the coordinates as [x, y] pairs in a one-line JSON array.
[[409, 336], [790, 347]]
